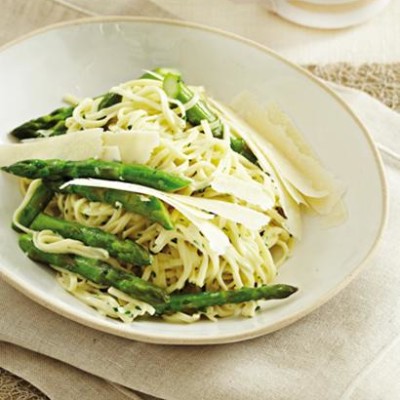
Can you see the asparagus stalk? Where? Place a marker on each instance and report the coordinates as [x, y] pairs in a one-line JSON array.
[[134, 173], [37, 203], [240, 146], [175, 88], [98, 272], [109, 99], [160, 72], [53, 124], [191, 303], [150, 207], [124, 250]]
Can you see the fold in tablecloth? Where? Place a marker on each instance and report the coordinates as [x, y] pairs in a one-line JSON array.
[[347, 349]]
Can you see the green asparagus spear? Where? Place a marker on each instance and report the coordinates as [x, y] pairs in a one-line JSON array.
[[160, 72], [134, 173], [53, 124], [150, 207], [175, 88], [124, 250], [191, 303], [37, 203], [240, 146], [48, 125], [97, 272], [109, 100]]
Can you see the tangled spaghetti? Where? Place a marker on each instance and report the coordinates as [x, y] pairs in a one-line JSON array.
[[182, 258]]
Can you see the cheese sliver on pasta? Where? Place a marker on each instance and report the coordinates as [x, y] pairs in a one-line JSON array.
[[291, 208], [74, 146], [252, 192], [197, 210], [293, 158], [129, 147], [134, 146]]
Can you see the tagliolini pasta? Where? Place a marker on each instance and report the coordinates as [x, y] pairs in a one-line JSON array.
[[184, 258]]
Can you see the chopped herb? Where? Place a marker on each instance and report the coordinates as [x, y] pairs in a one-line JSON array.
[[281, 212]]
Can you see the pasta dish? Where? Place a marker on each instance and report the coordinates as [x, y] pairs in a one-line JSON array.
[[156, 200]]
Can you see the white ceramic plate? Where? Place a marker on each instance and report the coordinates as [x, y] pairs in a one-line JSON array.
[[88, 57], [329, 15]]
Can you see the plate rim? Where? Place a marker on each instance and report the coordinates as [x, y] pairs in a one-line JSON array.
[[160, 338]]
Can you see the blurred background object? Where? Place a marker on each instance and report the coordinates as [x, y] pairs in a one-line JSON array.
[[327, 14], [373, 41]]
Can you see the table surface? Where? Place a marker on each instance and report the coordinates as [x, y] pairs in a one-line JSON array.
[[374, 41]]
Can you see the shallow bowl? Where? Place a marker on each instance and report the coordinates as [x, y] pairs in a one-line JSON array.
[[89, 56]]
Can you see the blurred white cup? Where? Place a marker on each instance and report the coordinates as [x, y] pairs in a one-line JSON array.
[[327, 14]]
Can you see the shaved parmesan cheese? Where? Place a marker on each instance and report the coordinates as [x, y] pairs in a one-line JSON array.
[[110, 153], [292, 174], [219, 242], [291, 209], [338, 215], [217, 239], [291, 154], [293, 222], [193, 209], [73, 146], [128, 147], [134, 146], [252, 192], [294, 193], [251, 219], [283, 136]]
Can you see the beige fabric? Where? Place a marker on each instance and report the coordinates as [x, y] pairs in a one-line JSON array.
[[381, 81], [58, 380], [18, 17], [13, 387]]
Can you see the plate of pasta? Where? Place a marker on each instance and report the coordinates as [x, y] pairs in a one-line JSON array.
[[176, 184]]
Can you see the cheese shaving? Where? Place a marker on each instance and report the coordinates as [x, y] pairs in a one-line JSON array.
[[127, 146], [249, 191], [75, 146], [189, 207], [252, 139], [134, 146], [292, 156]]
